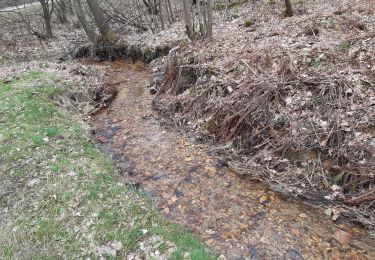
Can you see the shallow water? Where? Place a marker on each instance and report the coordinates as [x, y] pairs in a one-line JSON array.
[[234, 218]]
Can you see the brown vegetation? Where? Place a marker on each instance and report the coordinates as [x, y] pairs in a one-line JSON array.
[[293, 104]]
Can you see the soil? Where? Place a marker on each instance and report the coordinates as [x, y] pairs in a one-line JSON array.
[[236, 218]]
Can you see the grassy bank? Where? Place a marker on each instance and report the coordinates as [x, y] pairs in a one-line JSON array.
[[60, 197]]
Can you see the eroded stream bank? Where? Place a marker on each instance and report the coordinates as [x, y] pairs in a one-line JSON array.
[[234, 218]]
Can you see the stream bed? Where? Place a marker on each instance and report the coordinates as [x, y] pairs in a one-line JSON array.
[[235, 218]]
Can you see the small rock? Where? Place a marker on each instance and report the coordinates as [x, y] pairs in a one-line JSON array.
[[33, 182], [328, 212], [313, 31], [342, 237], [258, 216], [296, 232], [322, 57], [179, 193], [71, 174], [210, 232], [294, 254], [221, 164], [222, 257], [335, 214], [116, 245], [264, 200], [339, 12]]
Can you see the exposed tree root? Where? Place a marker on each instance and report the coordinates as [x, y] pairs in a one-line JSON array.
[[120, 51]]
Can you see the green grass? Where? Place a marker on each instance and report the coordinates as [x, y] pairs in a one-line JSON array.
[[345, 46], [60, 196]]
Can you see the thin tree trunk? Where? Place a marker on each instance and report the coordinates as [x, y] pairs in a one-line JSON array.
[[108, 36], [148, 19], [161, 15], [169, 7], [62, 11], [46, 17], [209, 19], [77, 7], [188, 20], [69, 6], [289, 8], [201, 19]]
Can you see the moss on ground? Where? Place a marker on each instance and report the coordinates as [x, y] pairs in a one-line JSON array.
[[61, 197]]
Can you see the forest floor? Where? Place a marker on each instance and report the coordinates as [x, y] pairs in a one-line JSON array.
[[289, 102]]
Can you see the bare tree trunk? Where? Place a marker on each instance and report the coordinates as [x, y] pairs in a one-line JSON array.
[[149, 19], [200, 19], [289, 9], [69, 6], [170, 10], [161, 15], [209, 19], [188, 20], [62, 11], [77, 7], [204, 13], [46, 17], [108, 36]]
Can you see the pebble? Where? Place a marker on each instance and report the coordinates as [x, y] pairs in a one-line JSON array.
[[342, 237]]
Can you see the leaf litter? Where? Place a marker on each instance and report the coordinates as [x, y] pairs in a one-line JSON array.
[[290, 102]]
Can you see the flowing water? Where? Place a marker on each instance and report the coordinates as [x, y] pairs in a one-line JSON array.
[[234, 218]]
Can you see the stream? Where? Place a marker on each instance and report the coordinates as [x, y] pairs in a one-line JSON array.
[[235, 218]]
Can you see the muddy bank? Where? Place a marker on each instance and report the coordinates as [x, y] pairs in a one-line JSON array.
[[234, 217], [118, 52]]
